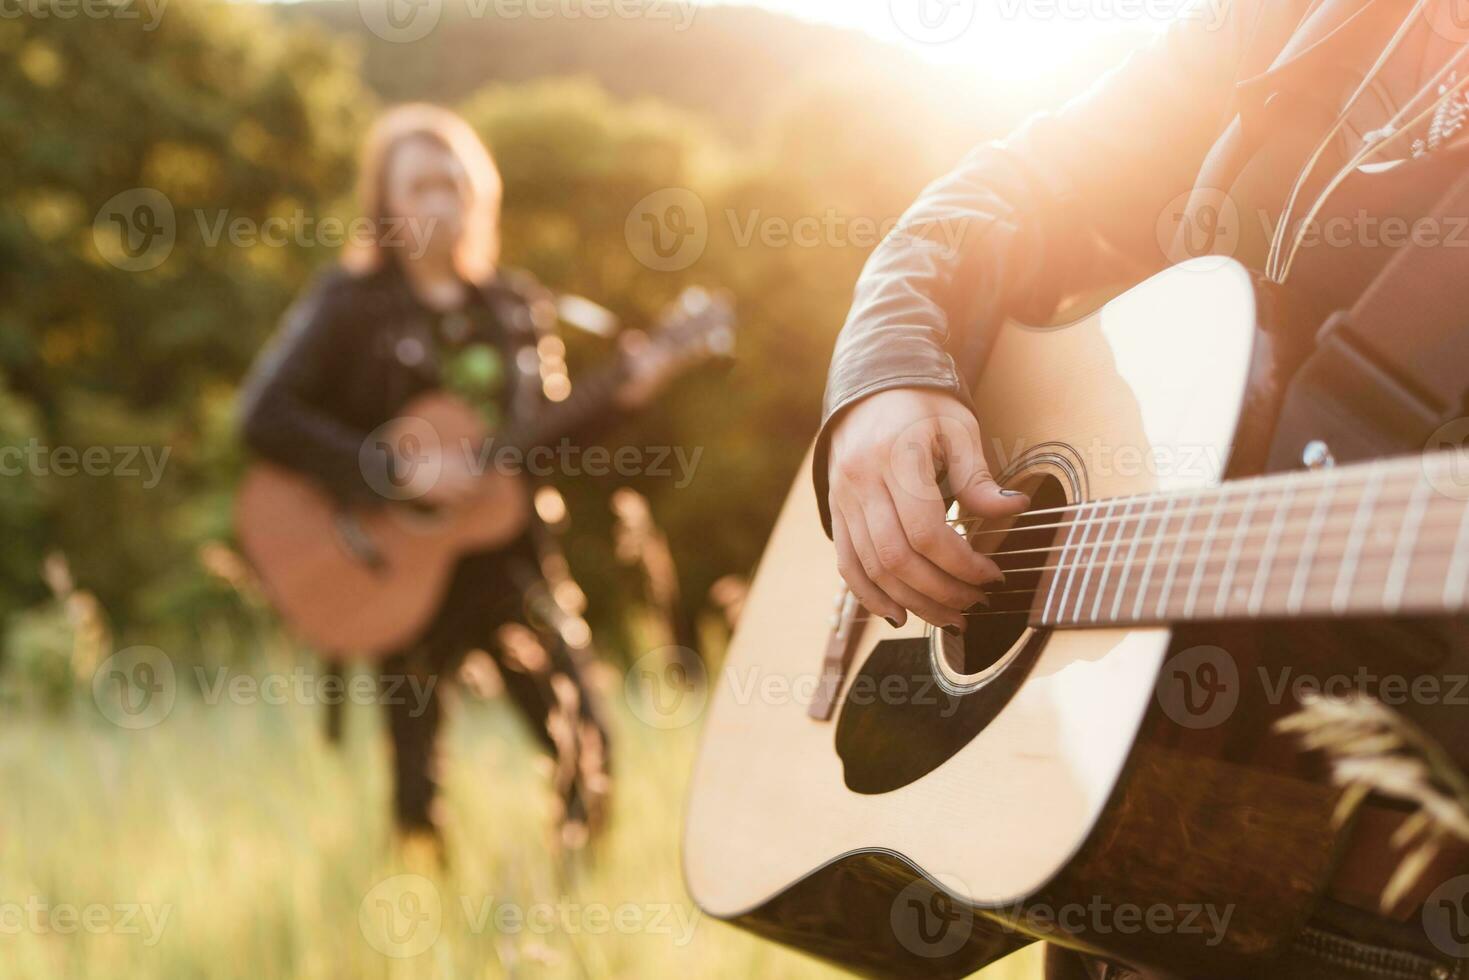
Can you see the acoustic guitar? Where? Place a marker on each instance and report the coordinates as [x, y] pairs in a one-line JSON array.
[[364, 579], [1091, 763]]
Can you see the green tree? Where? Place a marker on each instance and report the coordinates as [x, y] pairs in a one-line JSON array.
[[125, 140]]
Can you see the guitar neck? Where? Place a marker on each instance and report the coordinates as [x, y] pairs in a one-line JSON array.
[[1383, 538], [695, 327], [591, 399]]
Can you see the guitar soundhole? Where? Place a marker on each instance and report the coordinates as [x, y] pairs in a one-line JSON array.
[[887, 740], [1020, 552]]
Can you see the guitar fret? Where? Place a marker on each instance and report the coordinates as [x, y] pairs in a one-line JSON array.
[[1087, 525], [1137, 537], [1272, 543], [1241, 533], [1397, 578], [1360, 520], [1092, 563], [1142, 589], [1313, 535], [1061, 566], [1202, 562], [1322, 555], [1456, 579], [1107, 565], [1177, 555]]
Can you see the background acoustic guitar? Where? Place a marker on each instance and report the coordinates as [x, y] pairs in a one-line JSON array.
[[362, 580], [907, 802]]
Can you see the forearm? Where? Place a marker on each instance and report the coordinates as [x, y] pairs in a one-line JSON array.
[[971, 251], [967, 250], [286, 431], [280, 417]]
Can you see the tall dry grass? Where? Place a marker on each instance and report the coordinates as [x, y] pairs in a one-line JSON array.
[[230, 841]]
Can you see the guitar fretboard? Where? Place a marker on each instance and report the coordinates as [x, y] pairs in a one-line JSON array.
[[1377, 538]]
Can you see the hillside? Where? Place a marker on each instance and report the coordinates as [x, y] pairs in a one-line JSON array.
[[735, 65]]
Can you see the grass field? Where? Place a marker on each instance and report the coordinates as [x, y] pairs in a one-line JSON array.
[[230, 841]]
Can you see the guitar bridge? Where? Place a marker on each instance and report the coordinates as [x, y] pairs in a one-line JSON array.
[[847, 625]]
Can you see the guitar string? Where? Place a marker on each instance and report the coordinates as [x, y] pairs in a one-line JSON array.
[[1217, 533], [1202, 505], [1339, 477], [1087, 553], [1081, 563], [1289, 558]]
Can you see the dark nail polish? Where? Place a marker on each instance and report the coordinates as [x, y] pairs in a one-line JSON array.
[[953, 631], [894, 622]]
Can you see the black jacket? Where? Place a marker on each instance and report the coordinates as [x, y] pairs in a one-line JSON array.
[[354, 349]]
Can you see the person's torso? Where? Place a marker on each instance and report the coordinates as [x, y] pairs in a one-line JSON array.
[[1289, 99]]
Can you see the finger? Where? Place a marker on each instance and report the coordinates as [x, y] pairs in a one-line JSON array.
[[922, 515], [972, 483], [906, 575], [907, 598], [849, 564]]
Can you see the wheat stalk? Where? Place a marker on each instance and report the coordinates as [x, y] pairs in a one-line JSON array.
[[1372, 749]]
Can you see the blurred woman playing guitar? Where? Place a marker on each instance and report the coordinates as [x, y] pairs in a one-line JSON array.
[[423, 306]]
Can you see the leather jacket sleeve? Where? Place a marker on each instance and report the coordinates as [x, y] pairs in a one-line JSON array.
[[1023, 222], [281, 414]]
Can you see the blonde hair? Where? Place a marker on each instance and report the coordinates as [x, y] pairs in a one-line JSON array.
[[478, 250]]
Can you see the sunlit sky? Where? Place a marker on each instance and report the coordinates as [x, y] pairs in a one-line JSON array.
[[1005, 38]]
